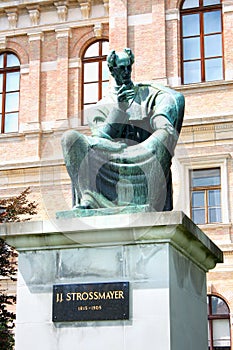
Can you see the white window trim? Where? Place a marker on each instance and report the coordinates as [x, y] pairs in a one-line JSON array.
[[205, 162]]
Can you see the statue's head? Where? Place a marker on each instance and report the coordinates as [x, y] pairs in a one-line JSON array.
[[120, 66]]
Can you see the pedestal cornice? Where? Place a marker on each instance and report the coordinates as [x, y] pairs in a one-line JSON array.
[[124, 229]]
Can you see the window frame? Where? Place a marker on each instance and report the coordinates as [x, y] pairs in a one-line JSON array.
[[4, 71], [201, 10], [204, 162], [206, 190], [85, 60], [212, 317]]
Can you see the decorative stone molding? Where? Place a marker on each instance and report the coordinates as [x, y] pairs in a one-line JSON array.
[[98, 30], [36, 36], [24, 68], [34, 15], [85, 8], [63, 33], [75, 62], [62, 10], [106, 7], [227, 6], [2, 43], [12, 16], [172, 15]]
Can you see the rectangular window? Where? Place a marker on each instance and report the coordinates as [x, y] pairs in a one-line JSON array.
[[201, 41], [206, 196], [9, 92]]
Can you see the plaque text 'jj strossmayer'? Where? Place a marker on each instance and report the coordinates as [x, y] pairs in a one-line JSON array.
[[91, 302]]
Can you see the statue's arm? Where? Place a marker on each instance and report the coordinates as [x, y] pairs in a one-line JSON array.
[[117, 117], [165, 112], [114, 124]]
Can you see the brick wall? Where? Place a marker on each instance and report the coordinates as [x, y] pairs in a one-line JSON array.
[[50, 102]]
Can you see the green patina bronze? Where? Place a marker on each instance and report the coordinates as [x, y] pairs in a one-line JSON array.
[[126, 162]]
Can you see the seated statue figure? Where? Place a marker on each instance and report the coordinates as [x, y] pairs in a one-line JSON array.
[[127, 159]]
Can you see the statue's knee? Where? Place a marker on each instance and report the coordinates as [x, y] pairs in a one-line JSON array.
[[73, 139]]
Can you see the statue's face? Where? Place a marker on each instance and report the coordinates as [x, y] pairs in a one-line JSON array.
[[122, 71]]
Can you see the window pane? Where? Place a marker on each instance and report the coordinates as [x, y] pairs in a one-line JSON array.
[[86, 113], [210, 2], [213, 69], [105, 71], [191, 25], [105, 88], [206, 177], [12, 102], [0, 123], [191, 48], [91, 71], [11, 122], [90, 93], [192, 72], [92, 50], [190, 3], [213, 45], [219, 307], [214, 215], [221, 332], [12, 81], [198, 199], [214, 198], [212, 22], [1, 82], [198, 216], [1, 61], [105, 48], [12, 60], [0, 103]]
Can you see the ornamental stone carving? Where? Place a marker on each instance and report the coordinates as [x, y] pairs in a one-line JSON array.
[[12, 16]]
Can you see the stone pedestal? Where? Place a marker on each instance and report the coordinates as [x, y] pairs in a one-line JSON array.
[[163, 256]]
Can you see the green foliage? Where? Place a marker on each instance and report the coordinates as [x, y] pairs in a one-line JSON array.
[[12, 209], [17, 208]]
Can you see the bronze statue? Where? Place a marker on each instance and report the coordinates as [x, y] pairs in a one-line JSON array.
[[127, 160]]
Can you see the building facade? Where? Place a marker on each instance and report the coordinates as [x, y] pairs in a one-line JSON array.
[[53, 66]]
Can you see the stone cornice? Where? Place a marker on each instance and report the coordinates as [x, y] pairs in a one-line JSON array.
[[23, 4], [27, 16], [173, 228], [199, 126], [52, 27], [204, 87], [221, 120]]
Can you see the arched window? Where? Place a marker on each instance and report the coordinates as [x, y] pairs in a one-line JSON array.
[[9, 92], [202, 48], [95, 74], [219, 324]]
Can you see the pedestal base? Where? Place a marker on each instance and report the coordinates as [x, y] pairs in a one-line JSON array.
[[163, 256]]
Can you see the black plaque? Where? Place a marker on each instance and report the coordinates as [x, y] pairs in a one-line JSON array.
[[91, 302]]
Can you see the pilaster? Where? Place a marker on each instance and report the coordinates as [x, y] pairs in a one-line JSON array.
[[35, 40], [159, 43], [62, 36], [118, 24]]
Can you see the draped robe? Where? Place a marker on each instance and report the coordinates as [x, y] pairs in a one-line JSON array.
[[140, 173]]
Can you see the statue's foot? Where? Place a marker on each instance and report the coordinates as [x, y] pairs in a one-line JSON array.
[[83, 205]]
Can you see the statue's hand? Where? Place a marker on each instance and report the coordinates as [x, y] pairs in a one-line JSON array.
[[124, 97], [107, 145]]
